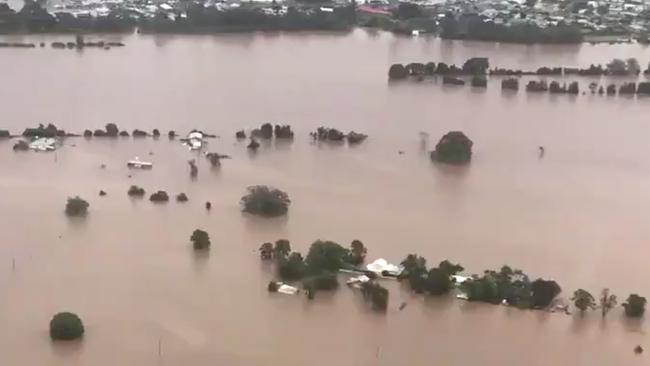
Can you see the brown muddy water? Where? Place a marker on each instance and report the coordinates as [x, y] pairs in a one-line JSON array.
[[579, 215]]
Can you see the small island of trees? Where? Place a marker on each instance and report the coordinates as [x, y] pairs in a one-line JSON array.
[[318, 271], [265, 201], [160, 196], [453, 148], [135, 191], [200, 240], [76, 206], [66, 326]]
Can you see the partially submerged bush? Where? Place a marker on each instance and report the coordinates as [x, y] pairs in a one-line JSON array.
[[99, 133], [397, 71], [273, 286], [88, 133], [200, 240], [124, 133], [328, 134], [21, 145], [156, 133], [634, 306], [322, 281], [136, 191], [266, 131], [355, 138], [265, 201], [291, 268], [112, 130], [181, 197], [139, 133], [376, 294], [160, 196], [171, 134], [253, 145], [66, 326], [283, 132], [213, 158], [76, 206], [240, 135], [453, 148]]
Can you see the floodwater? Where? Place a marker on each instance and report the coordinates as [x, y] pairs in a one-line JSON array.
[[579, 215]]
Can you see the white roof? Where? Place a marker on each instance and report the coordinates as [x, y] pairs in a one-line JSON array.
[[195, 135], [287, 290], [381, 265]]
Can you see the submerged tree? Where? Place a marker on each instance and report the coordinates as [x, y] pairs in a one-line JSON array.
[[415, 271], [397, 71], [66, 326], [282, 248], [200, 240], [76, 206], [291, 268], [583, 300], [357, 252], [543, 292], [326, 256], [265, 201], [634, 306], [266, 251], [376, 294], [607, 302], [136, 191], [453, 148]]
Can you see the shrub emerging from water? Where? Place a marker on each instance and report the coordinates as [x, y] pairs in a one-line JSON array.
[[160, 196], [634, 306], [181, 197], [322, 281], [272, 286], [200, 240], [136, 191], [326, 256], [397, 71], [376, 294], [453, 148], [265, 201], [76, 206], [291, 268], [66, 326]]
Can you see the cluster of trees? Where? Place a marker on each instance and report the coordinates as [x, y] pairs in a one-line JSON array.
[[583, 301], [512, 286], [265, 201], [45, 131], [319, 268], [135, 191], [76, 206], [267, 131], [453, 148], [507, 285], [111, 130], [332, 134], [471, 66], [476, 28], [436, 280], [480, 66]]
